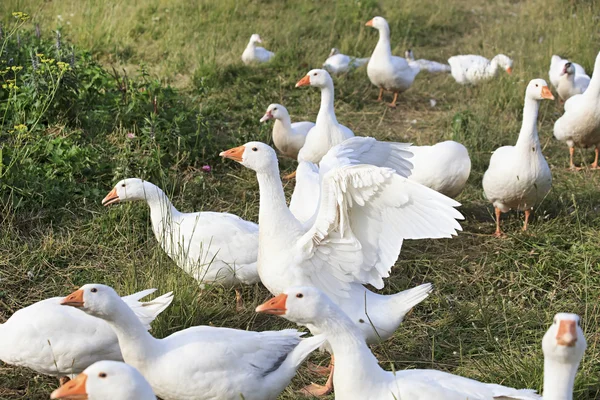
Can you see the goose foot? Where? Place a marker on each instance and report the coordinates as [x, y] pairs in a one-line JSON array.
[[290, 176], [499, 234], [317, 369], [527, 214], [239, 302], [595, 163], [574, 168], [63, 380], [380, 98], [316, 390], [393, 103]]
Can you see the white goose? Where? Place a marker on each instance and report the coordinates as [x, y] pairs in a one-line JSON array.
[[354, 238], [212, 247], [202, 362], [106, 380], [288, 137], [563, 345], [357, 374], [579, 126], [518, 176], [58, 341], [386, 71], [254, 54], [571, 83], [425, 65], [338, 63], [472, 69], [443, 167], [557, 65], [327, 131]]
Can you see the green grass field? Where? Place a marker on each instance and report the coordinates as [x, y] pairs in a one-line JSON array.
[[494, 298]]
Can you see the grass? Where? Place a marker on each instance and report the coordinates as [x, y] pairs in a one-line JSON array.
[[494, 299]]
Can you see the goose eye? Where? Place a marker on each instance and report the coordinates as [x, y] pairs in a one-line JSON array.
[[123, 185], [102, 374], [299, 295], [315, 74], [554, 321], [254, 149], [275, 109], [94, 290], [536, 85]]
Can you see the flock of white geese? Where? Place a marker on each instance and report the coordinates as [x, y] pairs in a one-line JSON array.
[[356, 199]]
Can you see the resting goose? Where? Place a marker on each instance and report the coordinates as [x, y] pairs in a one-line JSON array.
[[443, 167], [557, 65], [472, 69], [288, 137], [254, 54], [106, 380], [327, 131], [386, 71], [518, 176], [357, 374], [353, 238], [202, 362], [425, 65], [338, 63], [563, 345], [58, 341], [579, 126], [571, 83], [211, 247]]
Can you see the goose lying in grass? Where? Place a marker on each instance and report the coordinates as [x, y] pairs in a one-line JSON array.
[[518, 176], [579, 126], [338, 63], [58, 341], [106, 380], [212, 247], [386, 71], [571, 83], [557, 65], [563, 345], [288, 137], [254, 54], [425, 65], [357, 374], [472, 69], [354, 238], [443, 167], [202, 362]]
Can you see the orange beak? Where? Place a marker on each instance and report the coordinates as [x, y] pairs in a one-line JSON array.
[[275, 306], [567, 333], [111, 198], [268, 115], [75, 299], [370, 23], [234, 154], [72, 390], [509, 70], [304, 81], [546, 93]]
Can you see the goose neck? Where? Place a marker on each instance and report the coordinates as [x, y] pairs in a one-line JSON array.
[[161, 208], [383, 46], [327, 112], [273, 210], [284, 123], [594, 86], [528, 136], [559, 378]]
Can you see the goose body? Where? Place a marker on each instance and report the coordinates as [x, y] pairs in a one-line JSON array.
[[288, 137], [518, 177], [571, 83], [202, 362], [357, 374], [212, 247], [557, 65], [338, 63], [58, 341], [473, 69], [425, 65], [443, 167], [254, 54]]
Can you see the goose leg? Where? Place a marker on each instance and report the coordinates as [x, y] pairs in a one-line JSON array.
[[595, 163], [290, 176], [239, 302], [380, 94], [498, 232], [527, 214], [63, 380], [317, 390], [572, 166], [393, 103]]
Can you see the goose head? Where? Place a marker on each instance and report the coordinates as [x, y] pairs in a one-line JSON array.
[[538, 89], [564, 341], [504, 62], [95, 299], [333, 52], [255, 38], [568, 69], [275, 111], [257, 156], [378, 23], [130, 189], [106, 380], [317, 78], [408, 54], [302, 305]]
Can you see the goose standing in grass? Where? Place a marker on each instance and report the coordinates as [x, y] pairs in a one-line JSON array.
[[571, 83], [443, 167], [425, 65], [353, 238], [288, 137], [254, 54], [58, 341], [106, 380], [579, 126], [472, 69], [518, 176], [212, 247], [557, 65], [202, 362], [357, 374], [386, 71], [563, 345], [338, 63]]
